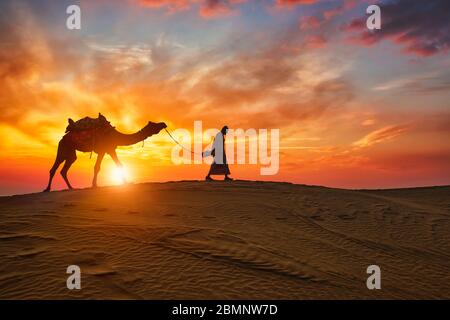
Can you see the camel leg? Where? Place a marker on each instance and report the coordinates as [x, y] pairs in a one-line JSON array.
[[60, 157], [69, 161], [97, 167], [119, 165]]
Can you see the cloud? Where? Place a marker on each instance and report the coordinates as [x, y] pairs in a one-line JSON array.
[[315, 42], [207, 9], [368, 122], [322, 23], [124, 58], [419, 27], [283, 3], [26, 57], [269, 88], [419, 84], [380, 135], [169, 5], [338, 10], [218, 8], [310, 22]]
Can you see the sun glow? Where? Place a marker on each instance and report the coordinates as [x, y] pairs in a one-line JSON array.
[[119, 175]]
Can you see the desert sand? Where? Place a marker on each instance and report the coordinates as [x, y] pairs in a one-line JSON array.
[[239, 240]]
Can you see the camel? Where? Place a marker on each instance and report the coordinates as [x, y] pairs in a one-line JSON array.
[[104, 143]]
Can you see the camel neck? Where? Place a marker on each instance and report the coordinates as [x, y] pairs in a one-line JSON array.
[[123, 139]]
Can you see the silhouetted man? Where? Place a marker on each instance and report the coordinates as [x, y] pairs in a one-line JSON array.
[[220, 164]]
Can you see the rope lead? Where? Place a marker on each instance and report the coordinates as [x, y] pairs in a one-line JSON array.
[[180, 143]]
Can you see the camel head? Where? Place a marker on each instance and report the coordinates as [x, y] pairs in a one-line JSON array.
[[153, 128]]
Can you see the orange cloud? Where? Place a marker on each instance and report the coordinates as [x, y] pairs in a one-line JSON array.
[[315, 42], [170, 5], [207, 8], [218, 8], [380, 135], [282, 3]]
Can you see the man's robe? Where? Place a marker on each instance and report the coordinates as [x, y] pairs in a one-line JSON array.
[[220, 164]]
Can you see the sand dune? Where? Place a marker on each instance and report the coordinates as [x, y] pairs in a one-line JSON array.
[[240, 240]]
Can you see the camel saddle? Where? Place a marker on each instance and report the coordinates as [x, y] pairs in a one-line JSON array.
[[88, 123], [84, 131]]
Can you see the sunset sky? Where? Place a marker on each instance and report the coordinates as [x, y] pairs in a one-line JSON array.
[[355, 109]]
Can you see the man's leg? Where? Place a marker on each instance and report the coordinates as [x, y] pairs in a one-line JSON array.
[[208, 177]]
